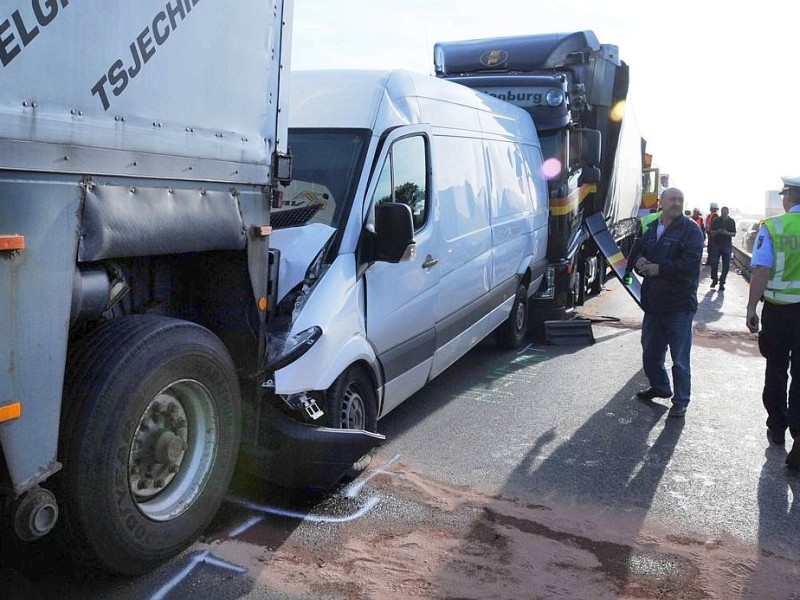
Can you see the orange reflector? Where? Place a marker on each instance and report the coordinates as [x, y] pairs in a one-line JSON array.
[[569, 269], [10, 411], [262, 304], [12, 242]]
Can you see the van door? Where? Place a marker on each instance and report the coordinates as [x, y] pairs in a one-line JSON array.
[[400, 296]]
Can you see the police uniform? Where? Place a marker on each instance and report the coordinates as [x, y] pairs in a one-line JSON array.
[[777, 247]]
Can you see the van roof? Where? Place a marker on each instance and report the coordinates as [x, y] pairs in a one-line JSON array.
[[378, 100]]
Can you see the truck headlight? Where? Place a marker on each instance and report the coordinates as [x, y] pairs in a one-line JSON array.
[[554, 97], [284, 349]]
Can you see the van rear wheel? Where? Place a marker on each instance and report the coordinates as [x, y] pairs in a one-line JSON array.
[[511, 334]]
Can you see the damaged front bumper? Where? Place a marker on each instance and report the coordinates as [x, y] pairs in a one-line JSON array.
[[296, 455]]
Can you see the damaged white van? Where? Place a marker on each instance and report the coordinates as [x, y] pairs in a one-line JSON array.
[[415, 225]]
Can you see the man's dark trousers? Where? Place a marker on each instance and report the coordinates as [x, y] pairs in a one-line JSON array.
[[779, 343]]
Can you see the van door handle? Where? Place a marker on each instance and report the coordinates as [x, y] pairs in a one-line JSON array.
[[430, 262]]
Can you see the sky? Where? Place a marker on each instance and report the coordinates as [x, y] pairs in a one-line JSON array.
[[715, 85]]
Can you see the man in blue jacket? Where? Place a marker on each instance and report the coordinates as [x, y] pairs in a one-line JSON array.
[[671, 253]]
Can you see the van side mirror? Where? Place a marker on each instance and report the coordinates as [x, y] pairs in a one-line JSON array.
[[584, 147], [394, 232]]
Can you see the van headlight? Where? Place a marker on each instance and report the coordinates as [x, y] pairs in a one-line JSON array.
[[284, 349]]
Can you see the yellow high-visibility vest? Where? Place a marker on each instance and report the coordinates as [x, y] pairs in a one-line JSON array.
[[783, 286], [647, 219]]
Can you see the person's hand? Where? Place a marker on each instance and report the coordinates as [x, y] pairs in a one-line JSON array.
[[646, 268], [752, 320]]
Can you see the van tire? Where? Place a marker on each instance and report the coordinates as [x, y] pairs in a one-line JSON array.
[[354, 385], [352, 401], [149, 440], [511, 334]]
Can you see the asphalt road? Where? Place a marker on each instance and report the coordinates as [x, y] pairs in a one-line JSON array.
[[546, 450]]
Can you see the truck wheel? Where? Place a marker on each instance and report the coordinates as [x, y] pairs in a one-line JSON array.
[[511, 334], [149, 440], [352, 404]]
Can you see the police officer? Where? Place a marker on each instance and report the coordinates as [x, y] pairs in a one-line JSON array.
[[775, 276]]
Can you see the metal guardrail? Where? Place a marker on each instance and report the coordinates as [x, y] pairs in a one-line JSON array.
[[741, 259]]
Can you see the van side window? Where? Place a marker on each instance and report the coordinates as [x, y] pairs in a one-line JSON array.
[[403, 178], [462, 186], [509, 180]]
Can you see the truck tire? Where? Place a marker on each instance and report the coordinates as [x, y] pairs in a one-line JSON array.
[[149, 440], [352, 404], [511, 334]]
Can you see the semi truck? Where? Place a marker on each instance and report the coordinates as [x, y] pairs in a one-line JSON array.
[[142, 145], [576, 91]]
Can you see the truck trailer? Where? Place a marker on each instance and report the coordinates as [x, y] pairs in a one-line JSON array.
[[142, 145], [576, 91]]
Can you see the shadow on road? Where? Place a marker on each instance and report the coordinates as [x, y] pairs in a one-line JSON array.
[[613, 464], [778, 515]]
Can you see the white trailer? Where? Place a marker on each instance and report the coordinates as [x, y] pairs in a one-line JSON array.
[[141, 145]]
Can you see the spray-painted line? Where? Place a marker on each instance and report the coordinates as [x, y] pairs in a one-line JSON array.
[[218, 562], [525, 349], [293, 514], [201, 557], [245, 526], [353, 489]]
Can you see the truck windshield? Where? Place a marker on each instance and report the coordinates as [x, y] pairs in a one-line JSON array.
[[325, 169]]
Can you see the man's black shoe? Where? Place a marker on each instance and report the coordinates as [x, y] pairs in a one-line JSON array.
[[713, 284], [793, 459], [721, 287], [677, 412], [776, 437], [651, 393]]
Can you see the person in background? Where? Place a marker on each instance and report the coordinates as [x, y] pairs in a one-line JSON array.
[[671, 252], [697, 217], [775, 278], [712, 214], [722, 233]]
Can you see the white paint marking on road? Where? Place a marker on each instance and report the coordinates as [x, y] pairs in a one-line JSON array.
[[201, 557], [525, 349], [352, 490], [245, 526], [218, 562], [293, 514], [170, 585]]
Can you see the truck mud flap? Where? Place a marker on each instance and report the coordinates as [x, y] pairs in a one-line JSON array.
[[301, 456], [605, 242]]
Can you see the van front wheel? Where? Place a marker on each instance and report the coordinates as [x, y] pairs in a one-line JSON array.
[[352, 404], [511, 334], [352, 401]]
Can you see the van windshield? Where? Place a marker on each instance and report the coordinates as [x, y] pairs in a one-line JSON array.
[[325, 169]]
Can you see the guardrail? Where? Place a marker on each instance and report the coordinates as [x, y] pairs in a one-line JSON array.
[[741, 259]]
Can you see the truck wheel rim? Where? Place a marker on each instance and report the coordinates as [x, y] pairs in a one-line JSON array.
[[353, 416], [519, 321], [173, 450]]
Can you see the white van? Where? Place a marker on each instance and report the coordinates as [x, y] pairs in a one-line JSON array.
[[415, 226]]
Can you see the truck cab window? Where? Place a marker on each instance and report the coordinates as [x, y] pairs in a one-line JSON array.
[[403, 178]]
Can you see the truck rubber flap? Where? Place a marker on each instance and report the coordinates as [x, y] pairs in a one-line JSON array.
[[605, 242]]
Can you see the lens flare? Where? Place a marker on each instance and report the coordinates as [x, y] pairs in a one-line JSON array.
[[551, 168], [618, 111]]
